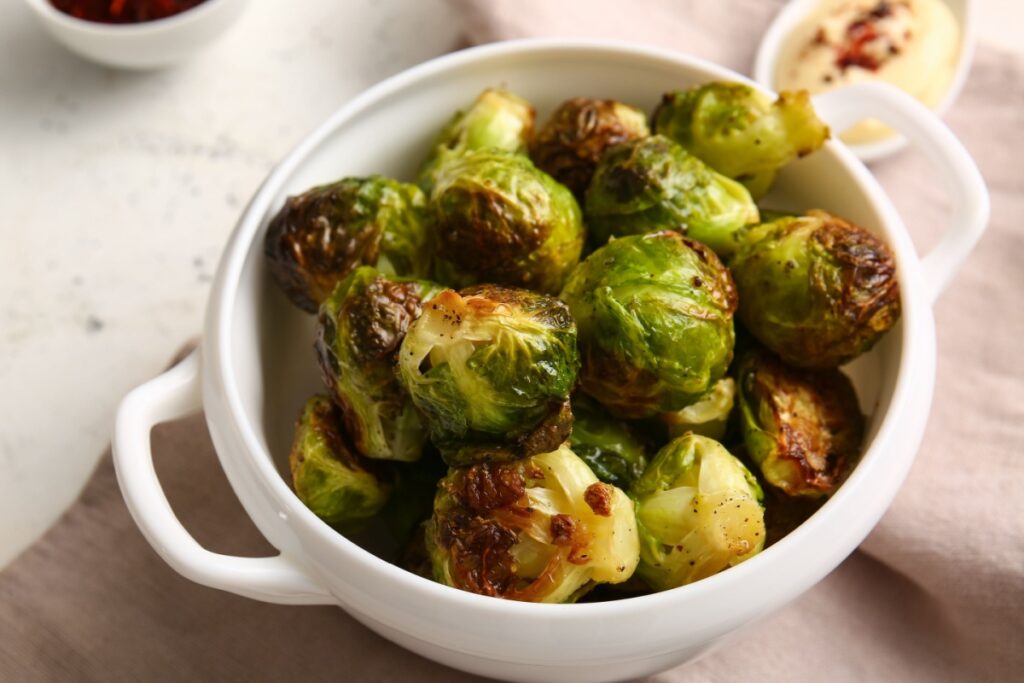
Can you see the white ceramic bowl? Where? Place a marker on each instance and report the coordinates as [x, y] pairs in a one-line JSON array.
[[796, 12], [255, 369], [145, 45]]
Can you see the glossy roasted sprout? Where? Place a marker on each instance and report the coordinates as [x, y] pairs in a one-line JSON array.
[[815, 289], [612, 448], [498, 219], [741, 132], [654, 314], [708, 417], [698, 512], [497, 120], [652, 184], [359, 330], [538, 529], [491, 369], [571, 143], [327, 474], [323, 234], [802, 428]]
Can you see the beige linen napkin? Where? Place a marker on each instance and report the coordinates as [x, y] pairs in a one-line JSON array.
[[935, 593]]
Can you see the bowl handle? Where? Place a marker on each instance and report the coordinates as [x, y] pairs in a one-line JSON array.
[[925, 130], [174, 394]]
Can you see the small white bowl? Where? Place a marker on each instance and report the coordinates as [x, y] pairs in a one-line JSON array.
[[255, 369], [143, 45], [795, 12]]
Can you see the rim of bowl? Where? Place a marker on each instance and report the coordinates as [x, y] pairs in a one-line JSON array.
[[916, 353], [789, 17], [48, 12]]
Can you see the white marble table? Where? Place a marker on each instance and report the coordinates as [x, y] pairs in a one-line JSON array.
[[118, 190]]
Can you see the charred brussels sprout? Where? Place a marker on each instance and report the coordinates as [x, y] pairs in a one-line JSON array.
[[654, 184], [571, 143], [740, 132], [322, 235], [803, 428], [815, 289], [497, 119], [499, 219], [655, 322], [539, 529], [491, 369], [708, 417], [698, 512], [610, 447], [360, 328], [327, 474]]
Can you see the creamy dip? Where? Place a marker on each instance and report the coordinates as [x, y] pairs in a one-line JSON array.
[[913, 44]]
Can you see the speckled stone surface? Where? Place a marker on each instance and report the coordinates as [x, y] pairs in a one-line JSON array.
[[118, 191]]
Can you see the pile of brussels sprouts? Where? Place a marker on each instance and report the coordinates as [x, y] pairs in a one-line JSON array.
[[534, 380]]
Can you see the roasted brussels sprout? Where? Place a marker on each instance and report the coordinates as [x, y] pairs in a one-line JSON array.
[[815, 289], [498, 219], [803, 428], [571, 143], [491, 369], [328, 476], [653, 184], [359, 330], [698, 512], [655, 322], [322, 235], [758, 185], [612, 448], [708, 417], [539, 529], [497, 119], [739, 131]]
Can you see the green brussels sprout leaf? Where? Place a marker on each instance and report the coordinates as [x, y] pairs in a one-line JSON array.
[[612, 448], [571, 143], [698, 512], [322, 235], [654, 314], [815, 289], [652, 184], [708, 417], [739, 131], [491, 369], [803, 428], [359, 330], [328, 476], [498, 219], [497, 120]]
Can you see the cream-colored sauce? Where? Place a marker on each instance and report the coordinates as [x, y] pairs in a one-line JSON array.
[[913, 44]]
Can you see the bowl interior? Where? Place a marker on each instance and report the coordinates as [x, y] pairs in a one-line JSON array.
[[272, 341]]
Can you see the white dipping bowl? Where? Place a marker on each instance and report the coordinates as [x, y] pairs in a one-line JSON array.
[[142, 45], [796, 12], [256, 367]]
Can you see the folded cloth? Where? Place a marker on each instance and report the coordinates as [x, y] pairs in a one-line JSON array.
[[935, 593]]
